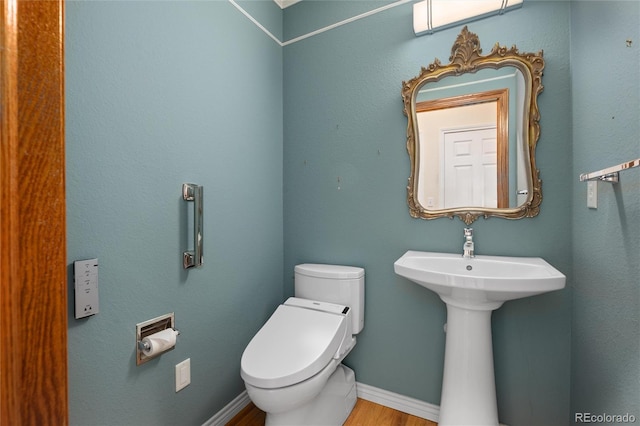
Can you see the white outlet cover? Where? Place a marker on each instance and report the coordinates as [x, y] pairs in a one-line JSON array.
[[183, 374], [592, 194]]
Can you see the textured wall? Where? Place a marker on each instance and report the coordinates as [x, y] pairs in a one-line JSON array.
[[150, 82], [606, 131], [161, 93], [344, 121]]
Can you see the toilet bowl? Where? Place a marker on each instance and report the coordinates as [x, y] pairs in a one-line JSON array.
[[325, 399], [292, 367], [279, 400]]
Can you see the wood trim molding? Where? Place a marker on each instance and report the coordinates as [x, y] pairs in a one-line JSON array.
[[33, 287], [9, 231]]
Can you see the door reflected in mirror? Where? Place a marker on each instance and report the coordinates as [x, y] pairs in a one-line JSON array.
[[464, 146], [471, 135]]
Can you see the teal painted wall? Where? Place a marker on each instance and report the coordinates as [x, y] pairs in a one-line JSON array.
[[606, 131], [301, 151], [344, 120], [161, 93]]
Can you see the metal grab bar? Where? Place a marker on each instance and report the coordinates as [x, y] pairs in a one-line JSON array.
[[193, 192], [610, 174]]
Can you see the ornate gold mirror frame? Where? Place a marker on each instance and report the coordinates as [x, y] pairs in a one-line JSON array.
[[466, 58]]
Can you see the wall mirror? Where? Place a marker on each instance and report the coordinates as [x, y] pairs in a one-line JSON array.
[[473, 125]]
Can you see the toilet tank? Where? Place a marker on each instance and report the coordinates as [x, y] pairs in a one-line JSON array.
[[338, 284]]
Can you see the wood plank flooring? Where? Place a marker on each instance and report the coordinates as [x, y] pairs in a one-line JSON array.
[[365, 413]]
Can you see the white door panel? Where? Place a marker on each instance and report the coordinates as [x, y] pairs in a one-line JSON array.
[[470, 168]]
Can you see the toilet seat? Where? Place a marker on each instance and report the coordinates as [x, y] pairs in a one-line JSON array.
[[294, 344]]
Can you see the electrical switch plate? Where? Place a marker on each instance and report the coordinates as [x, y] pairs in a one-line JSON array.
[[86, 287], [592, 194], [183, 374]]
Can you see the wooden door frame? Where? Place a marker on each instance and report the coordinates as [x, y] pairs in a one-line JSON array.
[[33, 282]]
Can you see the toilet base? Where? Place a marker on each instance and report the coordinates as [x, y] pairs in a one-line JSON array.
[[331, 407]]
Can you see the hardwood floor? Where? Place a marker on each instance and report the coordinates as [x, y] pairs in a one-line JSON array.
[[249, 416], [365, 413]]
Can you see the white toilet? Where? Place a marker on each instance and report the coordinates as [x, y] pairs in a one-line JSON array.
[[291, 368]]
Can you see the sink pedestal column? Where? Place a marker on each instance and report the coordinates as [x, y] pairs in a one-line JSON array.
[[472, 289], [468, 384]]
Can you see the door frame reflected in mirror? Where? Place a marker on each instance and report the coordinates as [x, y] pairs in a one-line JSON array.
[[499, 97]]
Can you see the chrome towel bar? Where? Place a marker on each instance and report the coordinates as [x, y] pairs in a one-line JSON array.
[[193, 192], [611, 174]]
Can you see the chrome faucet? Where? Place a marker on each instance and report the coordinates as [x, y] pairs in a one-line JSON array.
[[467, 248]]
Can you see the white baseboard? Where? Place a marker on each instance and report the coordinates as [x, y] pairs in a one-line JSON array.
[[406, 404], [396, 401], [229, 411]]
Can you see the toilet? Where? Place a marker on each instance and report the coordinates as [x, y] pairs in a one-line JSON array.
[[292, 367]]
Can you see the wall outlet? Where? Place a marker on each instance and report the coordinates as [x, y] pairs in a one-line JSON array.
[[592, 194], [183, 374], [430, 202]]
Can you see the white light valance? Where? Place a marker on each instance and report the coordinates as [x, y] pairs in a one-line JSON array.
[[433, 15]]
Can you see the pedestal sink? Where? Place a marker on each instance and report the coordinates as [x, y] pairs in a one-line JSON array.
[[472, 288]]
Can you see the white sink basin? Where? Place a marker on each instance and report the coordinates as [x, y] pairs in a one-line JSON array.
[[472, 289], [481, 279]]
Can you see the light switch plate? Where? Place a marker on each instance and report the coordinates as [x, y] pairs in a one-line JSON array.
[[86, 287], [592, 194], [183, 374]]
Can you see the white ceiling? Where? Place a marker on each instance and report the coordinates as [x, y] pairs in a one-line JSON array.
[[285, 3]]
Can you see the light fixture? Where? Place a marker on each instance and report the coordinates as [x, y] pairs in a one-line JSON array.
[[434, 15]]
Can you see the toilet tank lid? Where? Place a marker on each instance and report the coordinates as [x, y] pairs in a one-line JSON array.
[[329, 271]]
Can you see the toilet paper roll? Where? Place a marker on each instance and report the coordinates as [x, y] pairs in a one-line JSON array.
[[159, 342]]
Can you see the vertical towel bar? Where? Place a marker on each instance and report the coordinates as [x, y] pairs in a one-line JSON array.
[[193, 192]]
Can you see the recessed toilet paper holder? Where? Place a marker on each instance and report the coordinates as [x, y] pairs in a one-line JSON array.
[[146, 329]]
